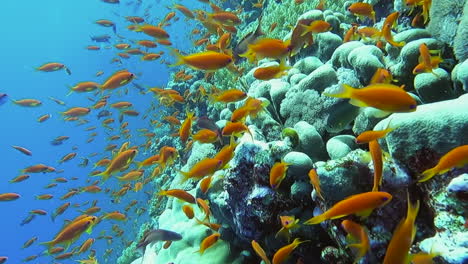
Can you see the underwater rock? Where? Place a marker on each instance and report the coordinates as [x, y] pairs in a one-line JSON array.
[[423, 136], [312, 14], [343, 114], [408, 58], [406, 36], [300, 190], [318, 80], [300, 165], [310, 141], [460, 43], [460, 76], [327, 44], [339, 146], [308, 64], [340, 55], [365, 61], [225, 114], [306, 106], [278, 92], [433, 87], [296, 78], [259, 89], [366, 120], [445, 24], [459, 185]]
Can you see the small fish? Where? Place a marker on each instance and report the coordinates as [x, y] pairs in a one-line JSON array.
[[4, 197], [101, 38], [455, 158], [360, 204], [208, 242], [278, 173], [3, 98], [25, 151], [271, 72], [207, 61], [386, 97], [283, 253], [403, 236], [29, 242], [362, 10], [27, 220], [73, 231], [287, 223], [315, 181], [155, 235], [377, 162], [357, 237], [201, 169], [248, 39], [188, 211], [260, 252], [179, 194]]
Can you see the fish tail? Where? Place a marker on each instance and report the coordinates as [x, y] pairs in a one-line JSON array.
[[413, 208], [315, 220], [306, 29], [345, 92], [185, 175], [179, 57], [428, 174], [48, 244]]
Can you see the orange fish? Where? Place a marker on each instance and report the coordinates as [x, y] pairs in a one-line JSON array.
[[386, 97], [67, 157], [208, 60], [184, 10], [205, 184], [28, 102], [260, 252], [43, 118], [54, 66], [153, 31], [4, 197], [271, 72], [229, 96], [315, 181], [188, 211], [317, 26], [84, 87], [132, 176], [403, 236], [427, 62], [360, 204], [44, 197], [19, 178], [357, 235], [266, 48], [226, 153], [35, 169], [115, 216], [118, 79], [381, 76], [376, 154], [186, 127], [205, 136], [283, 253], [387, 34], [362, 10], [201, 169], [76, 112], [179, 194], [368, 136], [278, 173], [208, 242], [235, 129], [121, 161], [287, 223], [72, 232], [60, 210], [455, 158], [25, 151]]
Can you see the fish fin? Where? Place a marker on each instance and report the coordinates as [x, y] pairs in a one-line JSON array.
[[364, 214], [179, 57], [428, 174], [357, 103], [305, 28], [48, 244], [284, 233], [89, 230], [315, 220], [346, 91]]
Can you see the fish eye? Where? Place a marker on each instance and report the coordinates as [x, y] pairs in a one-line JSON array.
[[384, 199], [412, 106]]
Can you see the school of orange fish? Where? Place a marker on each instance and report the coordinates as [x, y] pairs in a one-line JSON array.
[[219, 55]]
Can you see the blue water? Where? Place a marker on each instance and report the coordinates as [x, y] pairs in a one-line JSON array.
[[33, 33]]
